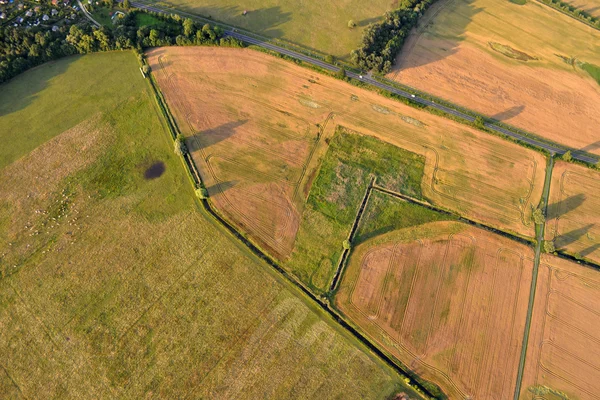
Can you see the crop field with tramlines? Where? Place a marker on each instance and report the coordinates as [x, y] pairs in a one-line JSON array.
[[259, 127], [574, 211], [448, 300], [114, 283], [564, 344], [520, 62]]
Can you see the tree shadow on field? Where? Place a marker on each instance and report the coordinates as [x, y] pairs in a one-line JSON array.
[[571, 237], [591, 146], [19, 92], [264, 21], [221, 187], [586, 252], [369, 21], [209, 137], [508, 113], [453, 17], [564, 206]]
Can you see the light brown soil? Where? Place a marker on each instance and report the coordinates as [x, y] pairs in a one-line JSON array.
[[574, 210], [545, 96], [448, 300], [252, 119], [564, 343]]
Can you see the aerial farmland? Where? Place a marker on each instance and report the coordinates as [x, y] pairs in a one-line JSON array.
[[305, 200]]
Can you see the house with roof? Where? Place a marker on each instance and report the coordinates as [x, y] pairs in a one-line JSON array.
[[45, 17]]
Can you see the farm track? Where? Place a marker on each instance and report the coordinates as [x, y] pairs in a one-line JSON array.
[[323, 303], [536, 265], [513, 133]]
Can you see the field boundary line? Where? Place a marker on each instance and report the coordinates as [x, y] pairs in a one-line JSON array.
[[353, 229], [324, 304], [456, 215], [536, 264]]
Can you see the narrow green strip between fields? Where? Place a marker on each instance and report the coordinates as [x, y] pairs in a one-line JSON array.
[[540, 228]]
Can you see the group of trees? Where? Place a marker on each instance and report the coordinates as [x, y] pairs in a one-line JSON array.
[[23, 48], [574, 12], [381, 42]]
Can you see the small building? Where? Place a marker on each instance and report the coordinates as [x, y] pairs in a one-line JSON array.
[[54, 12], [45, 17], [20, 20], [55, 28], [54, 2], [2, 15], [29, 13]]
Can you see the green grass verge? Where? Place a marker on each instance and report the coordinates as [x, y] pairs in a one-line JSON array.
[[127, 291], [593, 70], [386, 213], [31, 113], [346, 171]]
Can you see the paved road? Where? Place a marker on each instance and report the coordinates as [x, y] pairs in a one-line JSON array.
[[87, 14], [579, 155]]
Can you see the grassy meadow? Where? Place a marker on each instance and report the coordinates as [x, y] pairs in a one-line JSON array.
[[115, 285], [351, 162], [319, 25], [385, 213]]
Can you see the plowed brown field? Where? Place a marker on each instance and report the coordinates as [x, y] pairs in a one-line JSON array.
[[564, 342], [503, 59], [448, 300], [574, 210]]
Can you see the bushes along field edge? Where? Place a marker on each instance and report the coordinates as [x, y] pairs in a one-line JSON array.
[[22, 49]]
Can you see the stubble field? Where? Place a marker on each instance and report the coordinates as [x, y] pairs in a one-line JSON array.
[[448, 300], [564, 344], [511, 62], [573, 216], [278, 118], [114, 285]]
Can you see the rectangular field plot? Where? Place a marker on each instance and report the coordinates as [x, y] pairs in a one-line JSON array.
[[574, 211], [563, 352], [448, 300]]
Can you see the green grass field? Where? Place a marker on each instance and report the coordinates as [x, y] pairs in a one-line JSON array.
[[319, 25], [385, 213], [336, 194], [31, 112], [116, 285]]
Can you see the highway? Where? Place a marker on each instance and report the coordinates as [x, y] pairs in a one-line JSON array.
[[522, 137]]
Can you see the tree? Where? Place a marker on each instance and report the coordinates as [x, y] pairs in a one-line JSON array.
[[146, 69], [202, 193], [179, 146], [538, 216], [567, 156], [341, 73], [329, 59], [189, 28], [351, 24], [126, 4], [479, 122], [346, 244], [549, 246]]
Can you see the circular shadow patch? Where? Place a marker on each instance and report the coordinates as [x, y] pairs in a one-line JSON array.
[[155, 170]]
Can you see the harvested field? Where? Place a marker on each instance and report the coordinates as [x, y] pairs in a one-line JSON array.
[[573, 216], [564, 343], [448, 300], [260, 126], [504, 60], [592, 7], [113, 285]]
